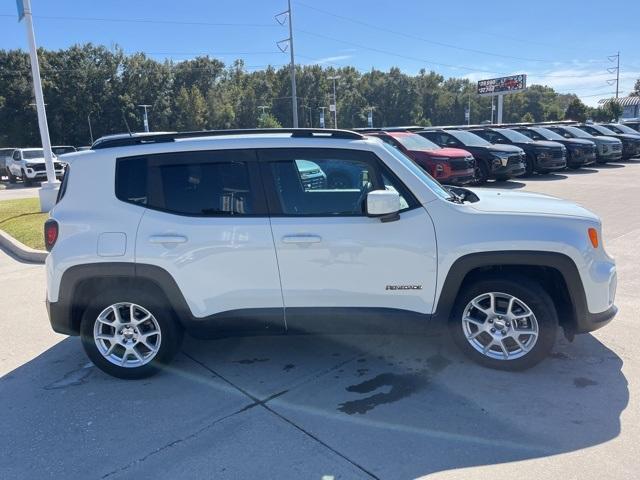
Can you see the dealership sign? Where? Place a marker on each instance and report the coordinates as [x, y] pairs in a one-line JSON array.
[[502, 85]]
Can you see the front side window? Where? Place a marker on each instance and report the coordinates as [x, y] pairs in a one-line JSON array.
[[326, 182], [203, 184]]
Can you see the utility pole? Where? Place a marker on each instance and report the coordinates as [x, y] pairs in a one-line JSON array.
[[616, 69], [48, 191], [90, 129], [263, 112], [370, 117], [146, 118], [322, 109], [286, 16], [468, 112], [334, 106]]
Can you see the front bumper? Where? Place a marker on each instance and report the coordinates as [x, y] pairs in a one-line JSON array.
[[510, 170], [610, 156], [551, 163], [36, 174], [594, 321]]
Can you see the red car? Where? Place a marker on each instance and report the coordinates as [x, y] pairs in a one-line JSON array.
[[452, 166]]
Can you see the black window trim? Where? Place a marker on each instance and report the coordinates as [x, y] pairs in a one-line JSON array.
[[256, 185], [273, 201]]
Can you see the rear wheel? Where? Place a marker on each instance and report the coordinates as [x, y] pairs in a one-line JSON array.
[[507, 323], [130, 334]]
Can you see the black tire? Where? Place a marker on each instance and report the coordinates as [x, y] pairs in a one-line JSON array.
[[482, 172], [26, 181], [525, 289], [529, 166], [503, 178], [12, 178], [171, 332]]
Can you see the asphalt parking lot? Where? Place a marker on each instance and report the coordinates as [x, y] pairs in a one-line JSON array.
[[349, 407]]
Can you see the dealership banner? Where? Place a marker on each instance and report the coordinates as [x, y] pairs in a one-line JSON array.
[[503, 85]]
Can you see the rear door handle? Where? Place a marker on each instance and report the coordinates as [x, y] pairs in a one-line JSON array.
[[301, 239], [167, 239]]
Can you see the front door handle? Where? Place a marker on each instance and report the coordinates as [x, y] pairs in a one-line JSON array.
[[167, 239], [301, 239]]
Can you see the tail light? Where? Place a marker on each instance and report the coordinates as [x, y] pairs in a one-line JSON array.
[[50, 234]]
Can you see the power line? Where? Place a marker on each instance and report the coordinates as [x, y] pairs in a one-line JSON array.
[[416, 37], [427, 61], [150, 21]]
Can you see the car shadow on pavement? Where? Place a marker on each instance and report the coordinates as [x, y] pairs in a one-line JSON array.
[[610, 165], [581, 170], [354, 406]]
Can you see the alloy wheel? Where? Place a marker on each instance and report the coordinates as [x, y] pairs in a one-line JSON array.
[[127, 335], [500, 326]]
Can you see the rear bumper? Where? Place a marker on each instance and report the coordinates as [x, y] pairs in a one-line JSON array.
[[60, 318]]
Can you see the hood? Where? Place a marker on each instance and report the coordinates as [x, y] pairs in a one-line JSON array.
[[507, 201], [37, 160], [605, 139], [446, 152], [504, 148], [577, 142], [547, 144]]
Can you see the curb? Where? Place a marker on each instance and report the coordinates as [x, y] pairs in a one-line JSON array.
[[20, 250]]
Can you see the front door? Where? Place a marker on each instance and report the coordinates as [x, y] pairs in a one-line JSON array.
[[332, 257]]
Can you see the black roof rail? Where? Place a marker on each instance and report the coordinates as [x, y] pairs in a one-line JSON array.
[[137, 139], [366, 129]]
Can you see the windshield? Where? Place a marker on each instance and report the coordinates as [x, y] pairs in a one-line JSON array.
[[62, 150], [575, 131], [623, 129], [419, 172], [411, 141], [31, 154], [602, 130], [548, 134], [469, 139], [514, 136]]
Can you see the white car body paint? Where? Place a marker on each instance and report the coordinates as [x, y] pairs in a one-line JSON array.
[[234, 263]]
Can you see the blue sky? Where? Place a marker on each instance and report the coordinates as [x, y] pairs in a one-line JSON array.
[[561, 43]]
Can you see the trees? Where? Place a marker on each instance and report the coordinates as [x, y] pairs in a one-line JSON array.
[[636, 89], [108, 85], [576, 110]]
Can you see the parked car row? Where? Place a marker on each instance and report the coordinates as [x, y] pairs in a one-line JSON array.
[[501, 152], [28, 165]]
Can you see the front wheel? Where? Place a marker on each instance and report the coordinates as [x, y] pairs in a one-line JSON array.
[[507, 323], [12, 177], [129, 334], [481, 172]]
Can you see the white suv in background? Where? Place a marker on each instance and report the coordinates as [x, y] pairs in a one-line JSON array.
[[28, 164], [220, 231]]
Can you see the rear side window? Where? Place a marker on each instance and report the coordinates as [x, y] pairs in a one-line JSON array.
[[216, 183]]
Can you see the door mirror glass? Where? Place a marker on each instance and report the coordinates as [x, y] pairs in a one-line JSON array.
[[383, 203]]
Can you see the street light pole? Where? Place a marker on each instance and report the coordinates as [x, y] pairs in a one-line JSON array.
[[335, 101], [146, 118], [49, 190]]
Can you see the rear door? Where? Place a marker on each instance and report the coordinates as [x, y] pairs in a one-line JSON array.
[[335, 260], [206, 224]]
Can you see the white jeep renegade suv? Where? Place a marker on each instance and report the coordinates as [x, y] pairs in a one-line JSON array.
[[235, 231]]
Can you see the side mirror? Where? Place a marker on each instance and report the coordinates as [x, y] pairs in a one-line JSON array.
[[384, 204]]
